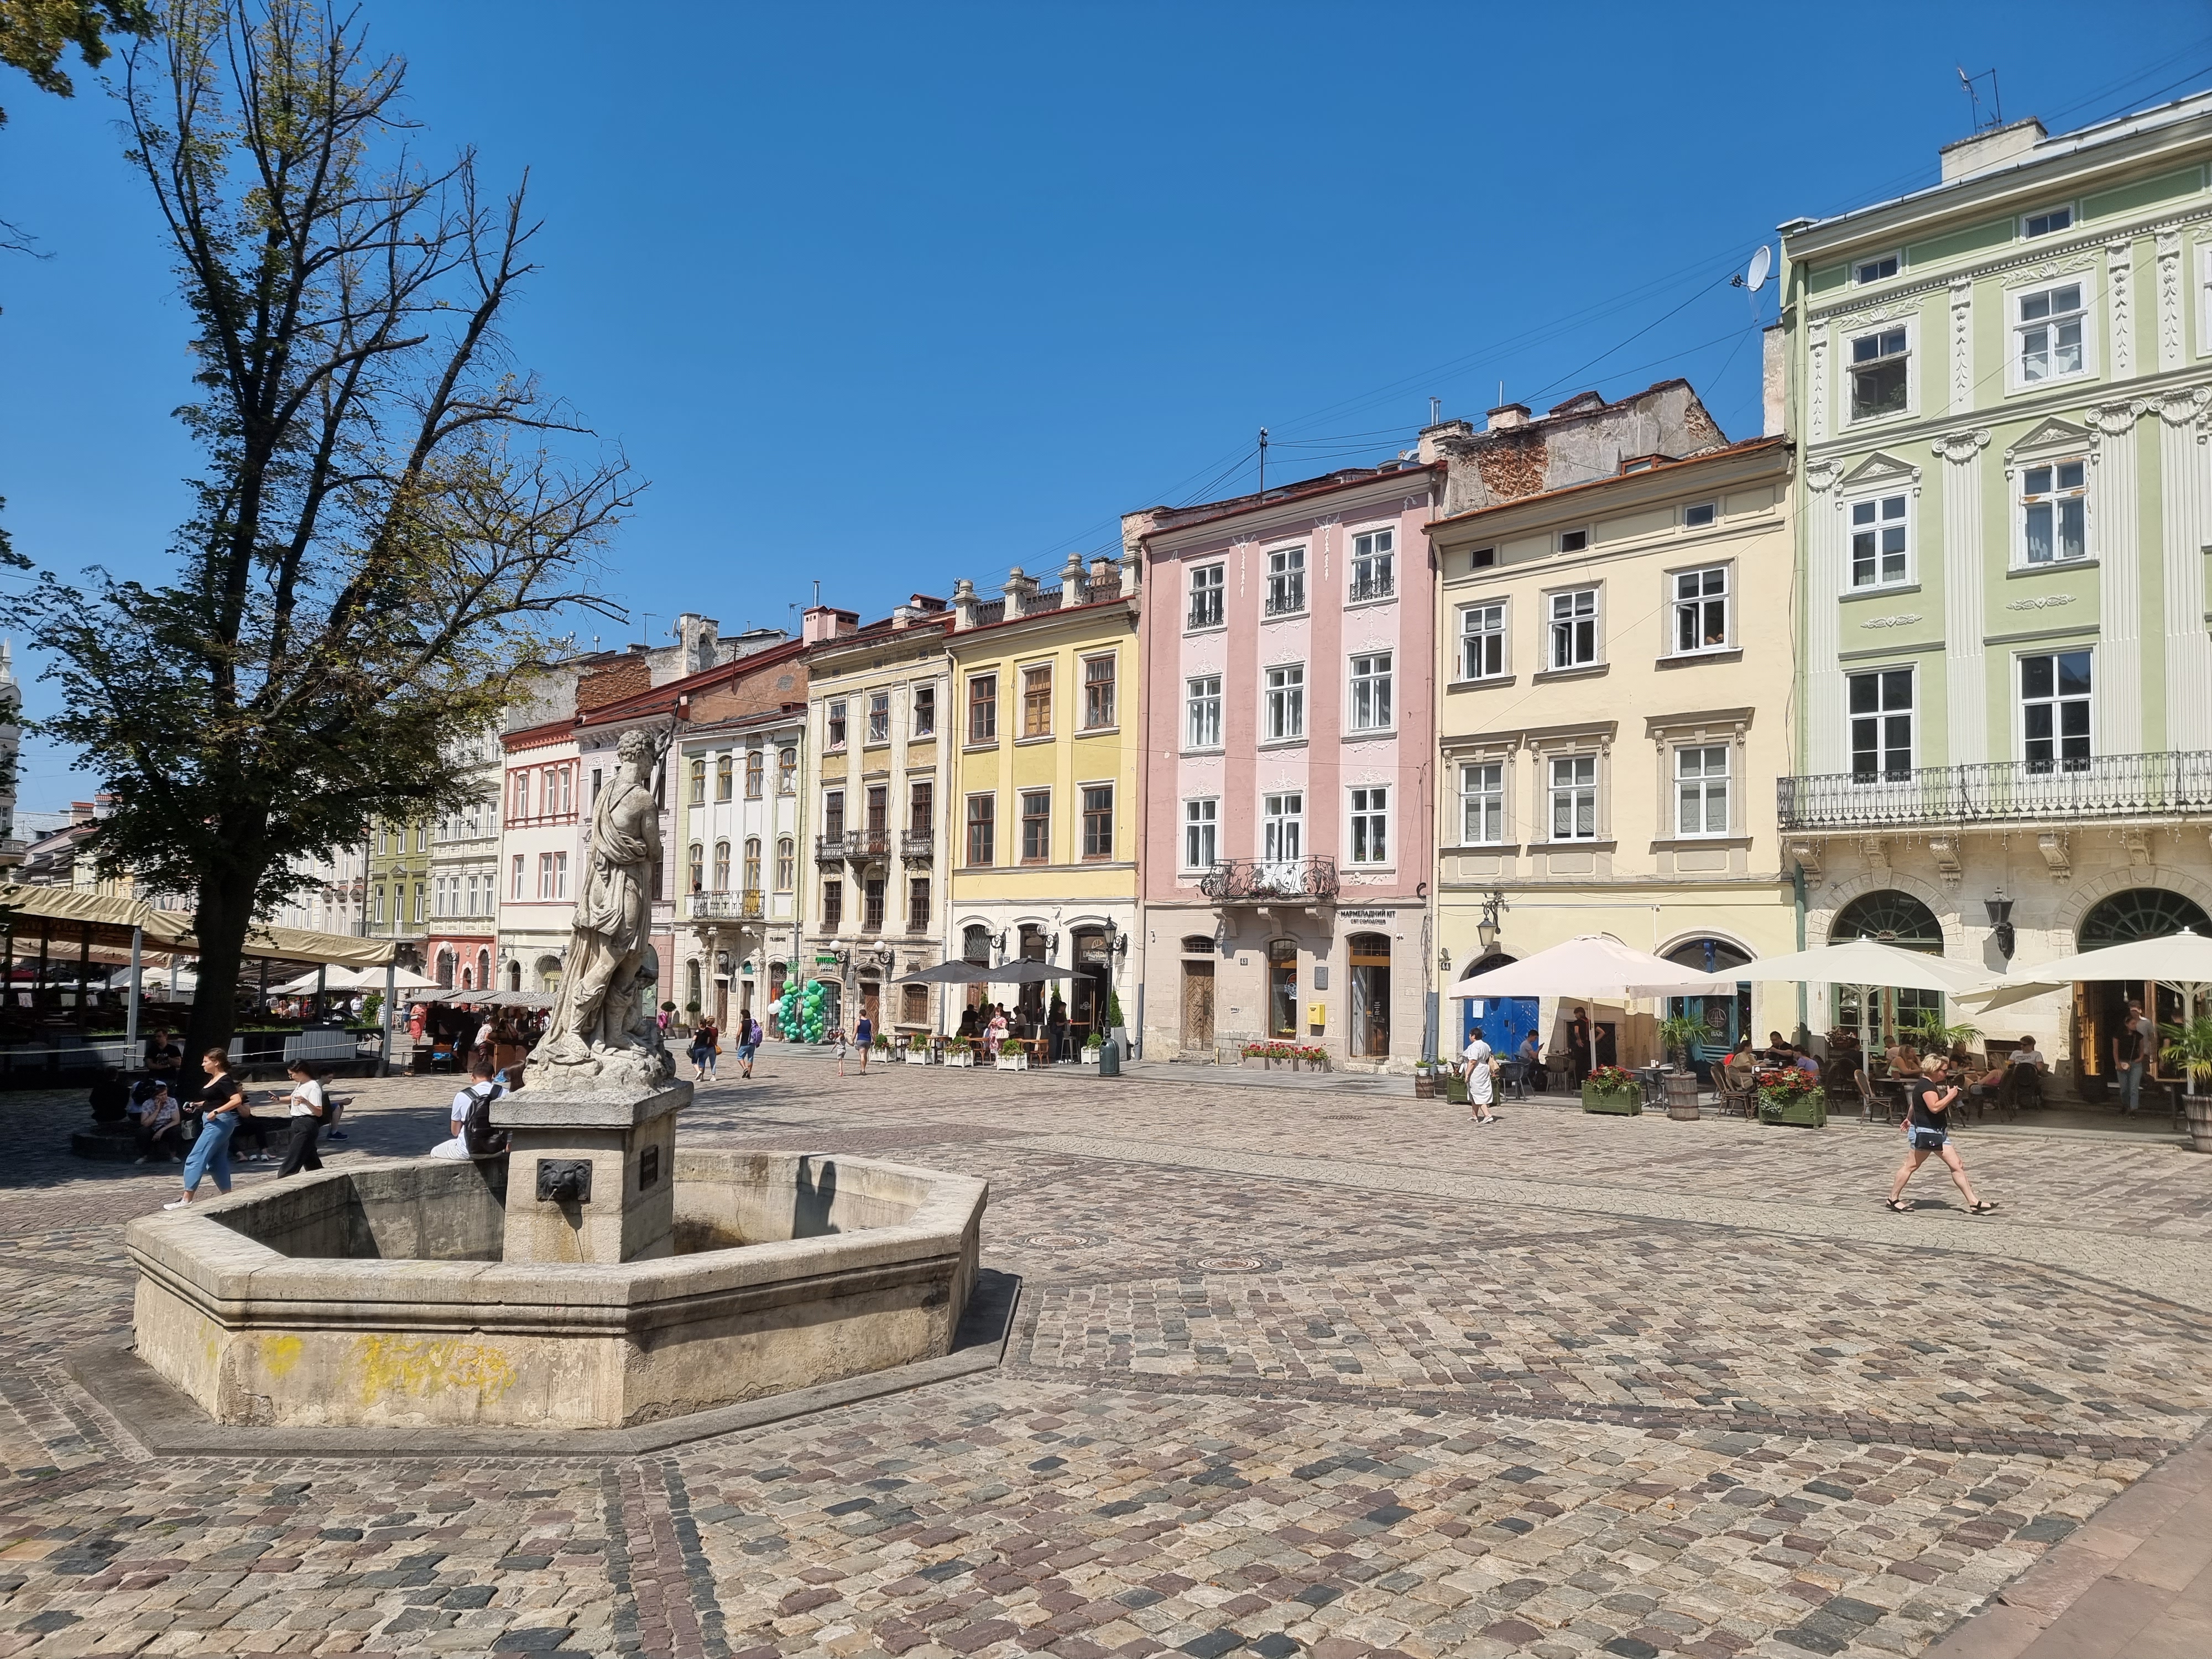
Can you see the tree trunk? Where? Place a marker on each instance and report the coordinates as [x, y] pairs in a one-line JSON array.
[[225, 911]]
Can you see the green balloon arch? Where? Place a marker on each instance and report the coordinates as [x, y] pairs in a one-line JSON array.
[[801, 1013]]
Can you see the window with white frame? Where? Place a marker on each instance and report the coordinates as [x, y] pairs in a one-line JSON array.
[[1482, 642], [1878, 269], [1574, 628], [1482, 803], [2054, 711], [1573, 541], [1371, 691], [879, 717], [2049, 222], [1701, 789], [1880, 705], [1201, 826], [1701, 610], [2048, 333], [1879, 371], [514, 887], [1372, 558], [1098, 700], [1202, 711], [1282, 826], [1286, 581], [1700, 515], [1283, 702], [1371, 825], [1880, 541], [925, 711], [836, 724], [2054, 511], [1207, 584], [1574, 797]]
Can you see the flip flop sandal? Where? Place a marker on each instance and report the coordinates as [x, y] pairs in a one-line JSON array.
[[1901, 1206], [1982, 1208]]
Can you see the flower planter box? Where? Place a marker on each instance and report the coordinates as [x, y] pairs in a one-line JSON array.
[[1808, 1112], [917, 1056], [1622, 1103], [960, 1057], [1456, 1087]]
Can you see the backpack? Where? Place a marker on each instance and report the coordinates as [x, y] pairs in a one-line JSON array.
[[476, 1133]]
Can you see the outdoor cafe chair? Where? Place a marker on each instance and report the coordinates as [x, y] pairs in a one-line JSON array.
[[1871, 1100]]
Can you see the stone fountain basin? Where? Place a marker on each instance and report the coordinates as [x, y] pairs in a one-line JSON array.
[[376, 1296]]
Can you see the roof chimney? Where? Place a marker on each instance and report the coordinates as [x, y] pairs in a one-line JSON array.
[[821, 622], [1990, 150], [1507, 416]]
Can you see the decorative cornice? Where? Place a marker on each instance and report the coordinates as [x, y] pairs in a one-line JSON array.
[[2040, 602], [1902, 619], [2116, 420]]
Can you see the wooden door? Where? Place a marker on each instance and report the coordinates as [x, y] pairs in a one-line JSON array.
[[1198, 1005], [872, 1003]]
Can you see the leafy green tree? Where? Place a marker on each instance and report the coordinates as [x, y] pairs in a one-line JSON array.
[[34, 34], [382, 533]]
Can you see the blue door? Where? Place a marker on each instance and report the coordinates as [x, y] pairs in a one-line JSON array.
[[1505, 1021]]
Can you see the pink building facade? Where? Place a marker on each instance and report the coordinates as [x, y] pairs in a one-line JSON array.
[[1289, 727]]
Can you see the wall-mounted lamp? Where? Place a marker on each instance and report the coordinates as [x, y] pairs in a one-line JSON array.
[[1487, 929], [886, 960], [1999, 910]]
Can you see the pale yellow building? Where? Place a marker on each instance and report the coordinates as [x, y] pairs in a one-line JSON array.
[[1613, 709], [1044, 803]]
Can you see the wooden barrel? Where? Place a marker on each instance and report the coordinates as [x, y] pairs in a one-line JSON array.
[[1682, 1096]]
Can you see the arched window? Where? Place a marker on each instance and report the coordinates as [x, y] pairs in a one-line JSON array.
[[975, 943], [691, 983], [1887, 917], [752, 864], [483, 968], [755, 760], [785, 864], [722, 866], [1198, 945], [722, 778], [698, 864], [514, 976], [445, 970], [698, 783], [2140, 913]]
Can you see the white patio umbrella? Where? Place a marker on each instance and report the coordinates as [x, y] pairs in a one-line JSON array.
[[1594, 965], [2182, 960], [335, 979], [1866, 965]]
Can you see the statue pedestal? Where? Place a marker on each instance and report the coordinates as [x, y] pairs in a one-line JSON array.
[[591, 1178]]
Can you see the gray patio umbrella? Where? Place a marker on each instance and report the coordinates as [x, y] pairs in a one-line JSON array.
[[1026, 973], [949, 973]]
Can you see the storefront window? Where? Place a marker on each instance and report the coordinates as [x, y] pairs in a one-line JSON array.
[[1370, 995], [1282, 988]]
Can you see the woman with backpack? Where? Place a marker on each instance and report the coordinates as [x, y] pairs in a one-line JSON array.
[[471, 1121], [706, 1043]]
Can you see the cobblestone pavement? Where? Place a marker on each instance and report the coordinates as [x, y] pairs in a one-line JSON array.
[[1295, 1371]]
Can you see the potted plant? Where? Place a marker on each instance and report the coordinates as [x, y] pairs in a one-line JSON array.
[[883, 1042], [2190, 1047], [1093, 1046], [1680, 1034], [1315, 1056], [1613, 1089], [1932, 1037], [1114, 1021], [959, 1051], [1792, 1097], [1424, 1079], [917, 1049]]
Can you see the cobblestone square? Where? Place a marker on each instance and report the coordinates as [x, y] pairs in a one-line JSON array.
[[1319, 1371]]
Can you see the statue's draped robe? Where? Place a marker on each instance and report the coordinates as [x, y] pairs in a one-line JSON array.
[[614, 912]]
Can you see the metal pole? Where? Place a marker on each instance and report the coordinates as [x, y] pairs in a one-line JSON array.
[[83, 975], [322, 980], [383, 1048], [130, 1010]]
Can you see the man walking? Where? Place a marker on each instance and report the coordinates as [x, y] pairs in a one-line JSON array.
[[2131, 1053]]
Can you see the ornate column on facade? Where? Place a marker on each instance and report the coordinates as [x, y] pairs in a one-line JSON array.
[[2171, 355], [1824, 581], [2185, 491], [2119, 577], [1965, 561], [2119, 297]]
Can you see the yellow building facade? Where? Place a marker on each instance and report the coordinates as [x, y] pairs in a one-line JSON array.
[[1044, 807], [1613, 709]]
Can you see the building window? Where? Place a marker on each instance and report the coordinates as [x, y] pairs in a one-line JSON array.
[[1201, 830], [871, 905], [1482, 558], [1205, 590], [1573, 541], [1286, 581], [1875, 270], [1371, 691], [2055, 508], [833, 905], [2054, 711], [1202, 711], [1098, 692], [1701, 516], [836, 727], [786, 771], [751, 869], [982, 827], [1371, 825], [380, 902], [880, 814], [1036, 826], [1878, 374], [1701, 790], [1482, 642], [552, 875], [879, 717], [1880, 705], [725, 777], [516, 885], [1372, 559], [691, 980], [1282, 826], [698, 868], [698, 783], [921, 809], [925, 711], [1701, 610], [1574, 797], [756, 765], [1036, 700], [917, 922], [1098, 821], [833, 814], [2049, 333], [1482, 804], [787, 861], [1284, 703], [1879, 542], [983, 708], [2048, 224], [1574, 629]]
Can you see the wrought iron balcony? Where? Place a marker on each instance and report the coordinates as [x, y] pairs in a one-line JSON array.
[[726, 906], [833, 849], [1287, 602], [918, 847], [2107, 786], [1308, 880], [1373, 587]]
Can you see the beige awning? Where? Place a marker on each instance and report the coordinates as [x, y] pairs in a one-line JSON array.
[[66, 912], [292, 944]]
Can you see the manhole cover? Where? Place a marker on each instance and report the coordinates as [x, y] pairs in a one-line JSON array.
[[1236, 1264], [1061, 1241]]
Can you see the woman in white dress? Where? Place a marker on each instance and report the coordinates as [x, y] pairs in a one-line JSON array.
[[1477, 1069]]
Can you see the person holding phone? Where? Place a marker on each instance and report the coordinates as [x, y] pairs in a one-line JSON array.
[[1929, 1096], [222, 1101]]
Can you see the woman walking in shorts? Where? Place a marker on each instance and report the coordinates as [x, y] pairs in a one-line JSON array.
[[706, 1042], [1930, 1097]]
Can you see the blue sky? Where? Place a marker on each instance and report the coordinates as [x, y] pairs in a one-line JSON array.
[[885, 295]]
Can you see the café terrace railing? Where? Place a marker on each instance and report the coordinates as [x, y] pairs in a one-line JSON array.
[[1310, 880], [2002, 792]]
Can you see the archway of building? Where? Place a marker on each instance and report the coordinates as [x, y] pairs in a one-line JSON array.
[[2100, 1011], [1888, 917], [1726, 1018]]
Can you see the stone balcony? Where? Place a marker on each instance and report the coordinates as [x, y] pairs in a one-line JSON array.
[[1301, 881]]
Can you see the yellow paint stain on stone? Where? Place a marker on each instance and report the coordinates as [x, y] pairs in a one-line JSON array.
[[279, 1354], [391, 1365]]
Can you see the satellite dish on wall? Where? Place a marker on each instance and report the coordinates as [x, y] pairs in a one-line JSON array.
[[1762, 262]]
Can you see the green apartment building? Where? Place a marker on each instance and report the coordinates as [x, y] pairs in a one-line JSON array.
[[2000, 388]]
